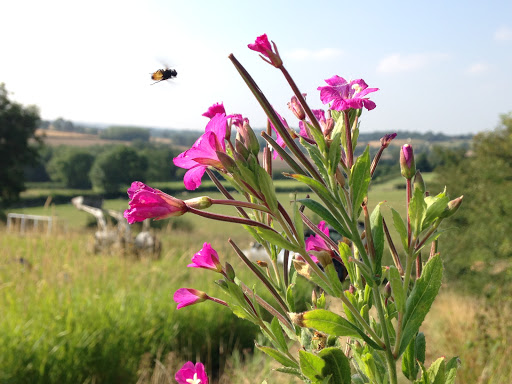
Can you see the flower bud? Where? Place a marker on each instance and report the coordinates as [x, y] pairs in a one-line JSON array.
[[241, 149], [313, 298], [230, 272], [227, 162], [249, 138], [387, 290], [386, 140], [452, 207], [419, 183], [407, 165], [340, 178], [202, 202], [296, 108]]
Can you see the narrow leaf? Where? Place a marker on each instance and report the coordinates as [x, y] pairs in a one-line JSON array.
[[278, 356], [409, 365], [267, 188], [400, 227], [324, 213], [397, 288], [311, 366], [360, 180], [417, 211], [421, 298], [378, 238], [276, 239], [276, 329], [451, 370]]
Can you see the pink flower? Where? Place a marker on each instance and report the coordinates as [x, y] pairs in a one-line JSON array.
[[215, 109], [345, 95], [188, 296], [206, 258], [146, 202], [279, 139], [315, 242], [203, 153], [190, 374], [262, 45]]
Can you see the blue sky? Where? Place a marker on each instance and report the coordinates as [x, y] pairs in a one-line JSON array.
[[442, 66]]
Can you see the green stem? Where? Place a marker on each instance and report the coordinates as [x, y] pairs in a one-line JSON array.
[[383, 325]]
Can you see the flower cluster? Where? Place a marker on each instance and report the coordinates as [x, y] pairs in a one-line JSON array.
[[341, 260]]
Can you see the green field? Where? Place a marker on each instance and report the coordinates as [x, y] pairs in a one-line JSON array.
[[70, 316]]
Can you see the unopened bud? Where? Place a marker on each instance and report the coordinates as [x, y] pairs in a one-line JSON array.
[[386, 140], [313, 298], [241, 149], [352, 289], [452, 207], [230, 272], [248, 137], [387, 290], [419, 183], [202, 202], [222, 283], [407, 165], [227, 162], [340, 178], [296, 108]]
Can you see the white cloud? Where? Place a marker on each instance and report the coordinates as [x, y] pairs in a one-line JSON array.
[[503, 34], [477, 68], [317, 55], [400, 63]]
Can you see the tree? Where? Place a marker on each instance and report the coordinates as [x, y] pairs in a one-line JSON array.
[[482, 235], [119, 166], [18, 145], [72, 166]]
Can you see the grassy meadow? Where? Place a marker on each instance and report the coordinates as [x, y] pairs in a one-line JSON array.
[[71, 316]]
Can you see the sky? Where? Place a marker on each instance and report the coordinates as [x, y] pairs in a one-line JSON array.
[[440, 66]]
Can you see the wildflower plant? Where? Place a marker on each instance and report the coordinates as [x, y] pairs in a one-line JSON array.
[[374, 332]]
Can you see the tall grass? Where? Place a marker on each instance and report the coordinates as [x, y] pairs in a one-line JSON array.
[[74, 317]]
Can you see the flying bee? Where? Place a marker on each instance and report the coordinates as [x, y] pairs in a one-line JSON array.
[[163, 74]]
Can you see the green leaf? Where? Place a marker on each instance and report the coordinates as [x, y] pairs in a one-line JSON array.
[[333, 324], [335, 153], [378, 238], [360, 180], [324, 213], [267, 188], [436, 371], [421, 298], [397, 288], [315, 185], [311, 366], [420, 347], [400, 227], [409, 365], [330, 323], [290, 299], [298, 223], [417, 211], [337, 365], [435, 206], [319, 138], [276, 329], [317, 157], [276, 239], [451, 370], [278, 356], [332, 275], [345, 253]]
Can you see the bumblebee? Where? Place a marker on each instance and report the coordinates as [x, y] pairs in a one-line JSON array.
[[163, 74]]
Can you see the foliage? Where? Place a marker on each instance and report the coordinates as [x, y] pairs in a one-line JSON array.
[[72, 166], [17, 146], [481, 237], [117, 166], [125, 133]]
